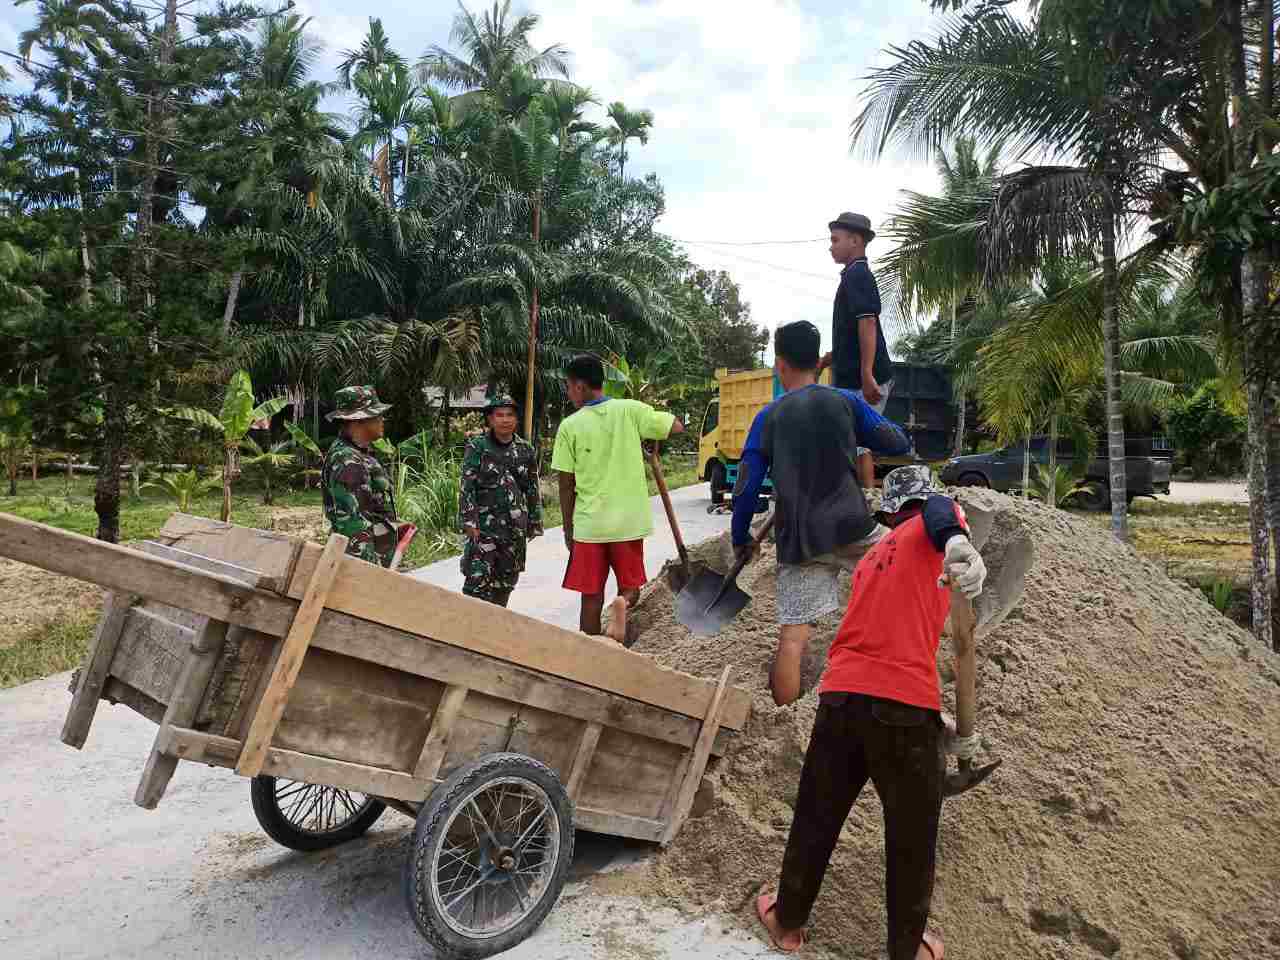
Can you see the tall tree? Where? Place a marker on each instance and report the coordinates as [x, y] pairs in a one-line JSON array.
[[627, 125], [492, 47]]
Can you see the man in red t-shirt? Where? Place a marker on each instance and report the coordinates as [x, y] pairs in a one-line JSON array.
[[879, 717]]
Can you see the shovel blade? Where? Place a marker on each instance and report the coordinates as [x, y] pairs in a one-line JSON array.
[[966, 778], [678, 576], [698, 609]]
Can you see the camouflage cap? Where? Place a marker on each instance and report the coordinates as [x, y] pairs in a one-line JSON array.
[[499, 400], [358, 403], [905, 484]]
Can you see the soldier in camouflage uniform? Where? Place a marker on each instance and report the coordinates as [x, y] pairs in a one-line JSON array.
[[359, 500], [500, 507]]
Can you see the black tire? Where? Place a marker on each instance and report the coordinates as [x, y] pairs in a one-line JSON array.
[[972, 479], [305, 816], [718, 482], [453, 848]]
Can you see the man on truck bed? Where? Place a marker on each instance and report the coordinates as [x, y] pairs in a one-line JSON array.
[[859, 356], [604, 496], [878, 718], [806, 438]]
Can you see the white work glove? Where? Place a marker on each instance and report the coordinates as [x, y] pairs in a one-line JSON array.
[[963, 565], [962, 748]]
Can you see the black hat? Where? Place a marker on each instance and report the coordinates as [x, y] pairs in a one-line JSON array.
[[854, 222]]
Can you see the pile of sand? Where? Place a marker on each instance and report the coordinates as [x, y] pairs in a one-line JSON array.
[[1137, 813]]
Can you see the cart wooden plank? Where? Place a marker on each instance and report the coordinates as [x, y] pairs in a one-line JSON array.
[[181, 710], [271, 706], [75, 729], [582, 759], [363, 590], [697, 762], [123, 570], [437, 742], [415, 654]]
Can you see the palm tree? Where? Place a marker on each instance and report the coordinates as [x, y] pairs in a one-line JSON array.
[[493, 46], [937, 263], [373, 54], [1041, 86], [391, 103], [627, 125]]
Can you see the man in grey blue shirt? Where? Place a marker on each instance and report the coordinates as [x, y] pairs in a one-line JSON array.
[[859, 357], [805, 439]]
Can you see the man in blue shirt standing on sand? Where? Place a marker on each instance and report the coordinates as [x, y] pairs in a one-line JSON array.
[[806, 439], [859, 357]]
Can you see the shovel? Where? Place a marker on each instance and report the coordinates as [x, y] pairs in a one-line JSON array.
[[406, 534], [678, 577], [964, 623], [710, 601]]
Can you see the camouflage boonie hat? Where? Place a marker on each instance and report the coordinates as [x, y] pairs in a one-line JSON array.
[[357, 403], [499, 400], [905, 484]]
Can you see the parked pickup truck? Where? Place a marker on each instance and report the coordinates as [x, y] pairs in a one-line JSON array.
[[1145, 476]]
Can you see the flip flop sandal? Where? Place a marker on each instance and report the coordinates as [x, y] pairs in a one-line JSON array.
[[763, 911], [929, 946]]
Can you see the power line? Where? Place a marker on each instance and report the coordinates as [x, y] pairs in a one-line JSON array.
[[772, 266], [748, 243]]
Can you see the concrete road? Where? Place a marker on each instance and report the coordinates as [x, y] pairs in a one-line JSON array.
[[86, 874], [540, 594], [1217, 492]]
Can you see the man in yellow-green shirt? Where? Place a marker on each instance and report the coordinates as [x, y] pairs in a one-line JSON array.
[[604, 495]]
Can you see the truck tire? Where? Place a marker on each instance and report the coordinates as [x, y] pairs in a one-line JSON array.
[[306, 816], [490, 855], [973, 479], [718, 483]]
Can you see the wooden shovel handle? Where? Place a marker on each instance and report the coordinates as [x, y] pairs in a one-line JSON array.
[[661, 481], [963, 624]]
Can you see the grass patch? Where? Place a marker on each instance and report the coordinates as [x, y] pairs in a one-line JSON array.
[[48, 649]]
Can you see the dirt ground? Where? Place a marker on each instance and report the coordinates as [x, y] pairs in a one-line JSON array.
[[30, 598], [1134, 815]]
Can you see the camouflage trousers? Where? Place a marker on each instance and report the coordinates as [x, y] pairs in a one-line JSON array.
[[492, 568]]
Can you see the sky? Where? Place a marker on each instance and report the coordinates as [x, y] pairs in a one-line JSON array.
[[752, 102]]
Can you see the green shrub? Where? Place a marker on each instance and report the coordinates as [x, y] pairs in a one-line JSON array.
[[1208, 435]]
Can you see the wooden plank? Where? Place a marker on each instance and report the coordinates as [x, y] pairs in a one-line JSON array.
[[151, 653], [122, 570], [186, 744], [117, 691], [371, 593], [630, 775], [414, 654], [181, 710], [84, 703], [437, 743], [350, 776], [250, 578], [273, 555], [619, 825], [582, 759], [292, 650], [223, 751], [698, 763]]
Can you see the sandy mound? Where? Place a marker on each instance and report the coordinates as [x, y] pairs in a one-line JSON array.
[[1137, 813]]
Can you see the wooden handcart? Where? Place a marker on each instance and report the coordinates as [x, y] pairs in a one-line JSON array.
[[342, 688]]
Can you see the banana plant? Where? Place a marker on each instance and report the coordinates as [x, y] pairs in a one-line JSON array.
[[236, 419], [267, 462], [183, 486], [309, 448]]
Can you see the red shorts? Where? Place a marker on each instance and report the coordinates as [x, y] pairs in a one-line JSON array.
[[589, 566]]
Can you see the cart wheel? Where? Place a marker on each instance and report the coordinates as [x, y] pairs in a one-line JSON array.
[[305, 816], [490, 855]]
